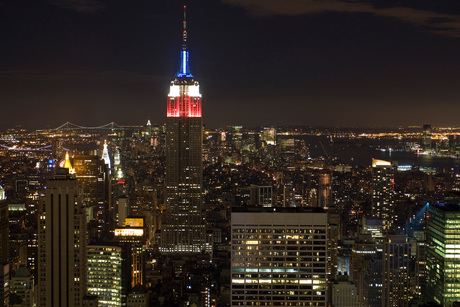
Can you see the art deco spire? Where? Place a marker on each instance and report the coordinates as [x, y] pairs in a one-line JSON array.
[[105, 154], [67, 163]]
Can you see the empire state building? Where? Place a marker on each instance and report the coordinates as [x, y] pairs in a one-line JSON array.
[[183, 230]]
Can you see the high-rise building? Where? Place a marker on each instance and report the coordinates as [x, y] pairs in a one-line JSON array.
[[93, 177], [62, 244], [105, 274], [426, 138], [183, 230], [87, 169], [4, 226], [442, 253], [278, 257], [5, 269], [5, 284], [344, 294], [362, 253], [396, 287], [22, 286], [261, 195], [325, 188], [382, 192]]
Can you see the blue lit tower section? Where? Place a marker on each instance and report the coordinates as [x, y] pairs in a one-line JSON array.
[[183, 229]]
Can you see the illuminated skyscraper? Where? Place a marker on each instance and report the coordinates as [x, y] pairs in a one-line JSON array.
[[279, 257], [382, 192], [442, 254], [105, 154], [105, 274], [183, 229], [396, 289]]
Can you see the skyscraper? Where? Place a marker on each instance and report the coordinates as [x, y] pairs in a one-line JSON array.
[[279, 257], [442, 253], [382, 192], [62, 244], [183, 229], [396, 289], [104, 274], [426, 137]]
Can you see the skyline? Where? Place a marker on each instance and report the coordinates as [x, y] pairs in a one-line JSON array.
[[258, 63]]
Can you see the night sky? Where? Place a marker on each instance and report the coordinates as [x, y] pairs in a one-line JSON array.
[[259, 62]]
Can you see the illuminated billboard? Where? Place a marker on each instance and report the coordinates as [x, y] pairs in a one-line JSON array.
[[129, 232]]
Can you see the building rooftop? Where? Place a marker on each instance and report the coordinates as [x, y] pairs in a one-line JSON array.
[[446, 207], [22, 271], [278, 209]]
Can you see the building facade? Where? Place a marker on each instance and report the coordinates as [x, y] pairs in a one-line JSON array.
[[278, 257], [105, 274], [442, 254], [62, 244], [382, 192], [396, 288]]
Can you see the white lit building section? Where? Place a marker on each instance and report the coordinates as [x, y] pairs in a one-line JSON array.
[[104, 274], [278, 257]]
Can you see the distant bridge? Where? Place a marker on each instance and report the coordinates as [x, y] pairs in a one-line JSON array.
[[71, 126], [17, 148], [68, 126]]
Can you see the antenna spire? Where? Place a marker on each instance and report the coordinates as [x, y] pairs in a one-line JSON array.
[[184, 35], [184, 70]]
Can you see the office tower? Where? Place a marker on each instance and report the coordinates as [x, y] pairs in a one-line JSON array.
[[333, 234], [183, 230], [4, 250], [94, 178], [363, 251], [86, 170], [442, 253], [105, 274], [374, 227], [132, 238], [261, 195], [420, 268], [4, 226], [5, 284], [396, 283], [382, 192], [426, 137], [22, 286], [325, 188], [373, 282], [344, 294], [123, 206], [269, 135], [278, 257], [62, 244], [90, 301], [138, 297]]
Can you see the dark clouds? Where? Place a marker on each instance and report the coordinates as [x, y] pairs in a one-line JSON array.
[[445, 24], [86, 6]]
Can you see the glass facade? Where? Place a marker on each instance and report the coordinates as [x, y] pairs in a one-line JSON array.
[[443, 253]]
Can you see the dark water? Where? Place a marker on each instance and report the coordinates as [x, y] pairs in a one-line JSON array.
[[361, 152]]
